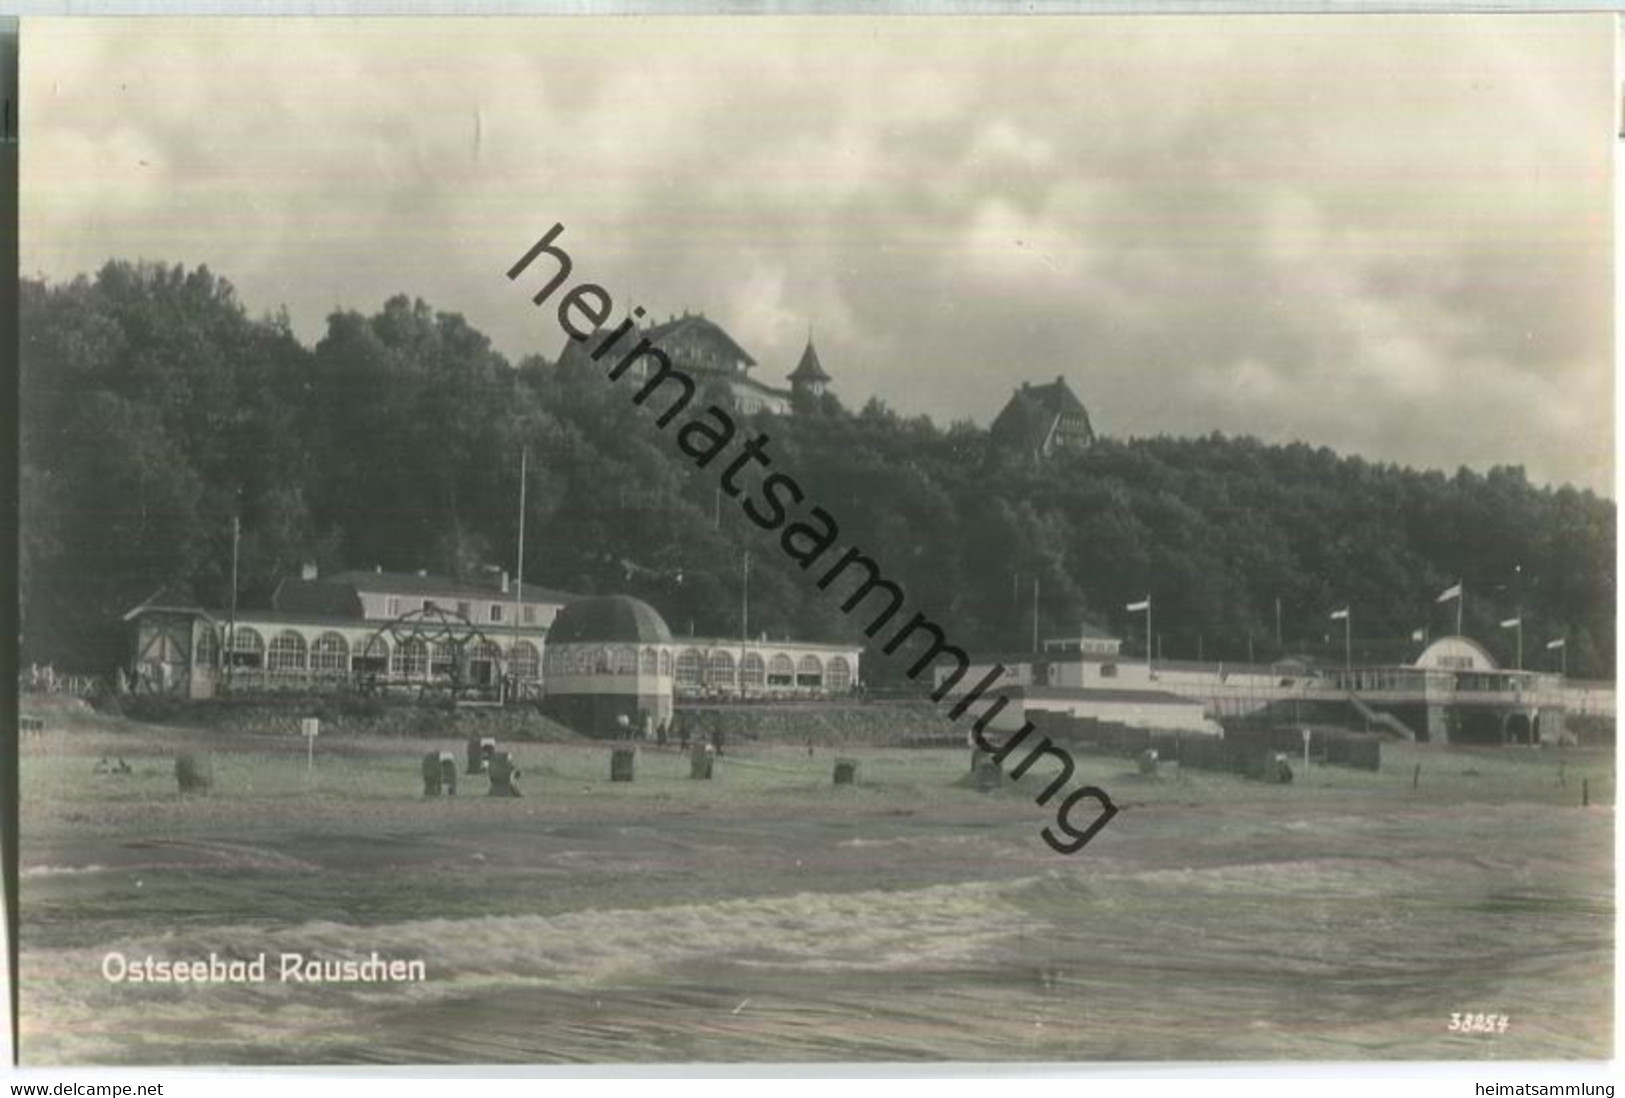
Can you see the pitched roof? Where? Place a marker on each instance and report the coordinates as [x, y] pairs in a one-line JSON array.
[[673, 337], [1021, 420], [256, 616], [809, 368], [319, 597], [697, 327], [1032, 411], [411, 583], [1056, 398], [167, 599]]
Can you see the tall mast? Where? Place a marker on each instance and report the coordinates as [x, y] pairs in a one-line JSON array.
[[744, 619], [519, 560], [231, 629]]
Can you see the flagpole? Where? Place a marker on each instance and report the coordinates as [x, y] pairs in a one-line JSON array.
[[1035, 614], [1348, 650], [1461, 600], [519, 561], [231, 631], [1145, 604], [744, 621], [1520, 642]]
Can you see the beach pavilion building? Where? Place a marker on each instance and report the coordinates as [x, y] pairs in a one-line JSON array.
[[393, 631]]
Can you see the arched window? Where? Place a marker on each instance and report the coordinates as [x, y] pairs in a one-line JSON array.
[[484, 662], [524, 661], [665, 661], [689, 668], [247, 648], [625, 661], [603, 662], [752, 671], [780, 671], [411, 659], [287, 652], [444, 659], [330, 654], [838, 675], [376, 657], [650, 663], [719, 669], [208, 647], [810, 672]]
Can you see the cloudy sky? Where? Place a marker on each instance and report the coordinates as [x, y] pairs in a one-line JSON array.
[[1391, 236]]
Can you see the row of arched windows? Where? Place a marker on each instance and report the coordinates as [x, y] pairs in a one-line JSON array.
[[693, 668], [718, 669], [617, 660], [330, 654]]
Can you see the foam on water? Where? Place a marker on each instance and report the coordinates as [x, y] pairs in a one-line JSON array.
[[37, 871], [1310, 956], [76, 1014]]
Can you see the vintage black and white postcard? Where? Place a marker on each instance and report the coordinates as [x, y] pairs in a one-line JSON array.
[[813, 539]]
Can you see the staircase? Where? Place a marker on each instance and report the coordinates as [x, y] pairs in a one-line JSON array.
[[1385, 721]]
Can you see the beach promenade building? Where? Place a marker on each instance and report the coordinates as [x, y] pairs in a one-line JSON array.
[[1453, 691], [372, 628], [407, 631]]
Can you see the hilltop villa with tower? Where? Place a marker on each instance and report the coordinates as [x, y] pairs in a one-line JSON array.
[[703, 349]]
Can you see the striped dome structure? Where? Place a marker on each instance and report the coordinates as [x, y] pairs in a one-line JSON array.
[[607, 668]]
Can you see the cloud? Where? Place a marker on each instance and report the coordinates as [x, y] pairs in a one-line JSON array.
[[1385, 235]]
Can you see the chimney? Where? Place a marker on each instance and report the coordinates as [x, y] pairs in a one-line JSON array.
[[307, 570], [504, 581], [378, 569]]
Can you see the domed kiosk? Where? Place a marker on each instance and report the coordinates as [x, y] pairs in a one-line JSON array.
[[608, 657]]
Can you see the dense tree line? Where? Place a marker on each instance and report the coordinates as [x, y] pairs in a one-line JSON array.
[[155, 409]]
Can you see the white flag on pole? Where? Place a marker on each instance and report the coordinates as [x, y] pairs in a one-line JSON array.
[[1418, 635], [1452, 592], [1339, 615], [1512, 623], [1143, 604], [1558, 643]]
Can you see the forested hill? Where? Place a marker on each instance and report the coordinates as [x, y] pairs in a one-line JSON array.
[[155, 407]]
